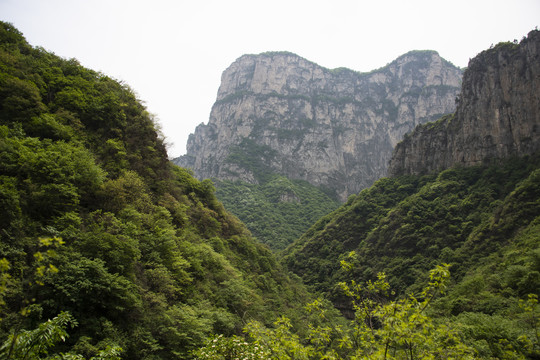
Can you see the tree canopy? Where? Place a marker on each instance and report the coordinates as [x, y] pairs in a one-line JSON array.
[[149, 261]]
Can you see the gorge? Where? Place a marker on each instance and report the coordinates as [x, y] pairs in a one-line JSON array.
[[288, 140]]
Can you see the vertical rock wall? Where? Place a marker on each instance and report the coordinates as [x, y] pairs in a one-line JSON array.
[[498, 114], [280, 113]]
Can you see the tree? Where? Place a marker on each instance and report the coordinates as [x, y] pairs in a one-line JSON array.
[[36, 344], [401, 329], [381, 329], [33, 344]]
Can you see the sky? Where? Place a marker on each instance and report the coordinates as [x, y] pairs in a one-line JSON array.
[[172, 52]]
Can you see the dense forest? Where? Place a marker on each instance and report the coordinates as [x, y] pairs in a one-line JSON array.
[[95, 222], [481, 218], [406, 225], [483, 221], [277, 211], [109, 251]]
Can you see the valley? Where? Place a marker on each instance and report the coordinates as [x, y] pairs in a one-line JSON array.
[[319, 214]]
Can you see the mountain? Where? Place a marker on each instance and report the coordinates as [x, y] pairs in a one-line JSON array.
[[480, 214], [277, 113], [288, 140], [109, 251], [105, 237], [497, 116], [418, 199]]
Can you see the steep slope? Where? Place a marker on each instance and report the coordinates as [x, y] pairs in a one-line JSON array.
[[497, 116], [480, 218], [406, 225], [95, 220], [277, 113], [278, 211], [322, 134]]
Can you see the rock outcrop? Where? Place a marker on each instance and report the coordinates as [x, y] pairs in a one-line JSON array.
[[280, 113], [498, 114]]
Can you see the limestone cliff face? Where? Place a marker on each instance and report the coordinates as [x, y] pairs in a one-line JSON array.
[[498, 114], [278, 112]]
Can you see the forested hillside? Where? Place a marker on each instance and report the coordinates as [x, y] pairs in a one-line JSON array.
[[482, 220], [406, 225], [433, 264], [278, 211], [443, 265], [109, 251], [99, 231], [288, 140]]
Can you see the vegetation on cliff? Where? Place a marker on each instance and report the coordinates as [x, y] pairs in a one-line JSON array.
[[483, 221], [333, 128], [278, 115], [414, 222], [497, 114]]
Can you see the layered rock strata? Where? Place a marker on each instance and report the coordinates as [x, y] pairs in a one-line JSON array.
[[280, 113], [498, 114]]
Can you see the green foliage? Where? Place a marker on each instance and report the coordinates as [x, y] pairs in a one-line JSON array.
[[151, 262], [312, 256], [32, 344], [401, 329], [381, 329], [482, 220], [234, 347], [4, 279], [150, 259], [278, 211], [254, 158], [404, 225]]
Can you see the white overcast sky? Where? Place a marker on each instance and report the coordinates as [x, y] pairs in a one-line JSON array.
[[172, 52]]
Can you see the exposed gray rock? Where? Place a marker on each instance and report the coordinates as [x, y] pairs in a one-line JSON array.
[[278, 112], [498, 115]]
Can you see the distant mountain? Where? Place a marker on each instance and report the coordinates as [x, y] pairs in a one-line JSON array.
[[277, 113], [288, 140]]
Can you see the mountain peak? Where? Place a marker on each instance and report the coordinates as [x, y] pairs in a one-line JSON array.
[[278, 112]]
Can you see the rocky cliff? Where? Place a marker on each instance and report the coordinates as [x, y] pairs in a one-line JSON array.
[[498, 114], [280, 113]]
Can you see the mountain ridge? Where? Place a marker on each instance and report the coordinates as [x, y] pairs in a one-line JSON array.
[[497, 114], [323, 126], [432, 211], [97, 223]]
